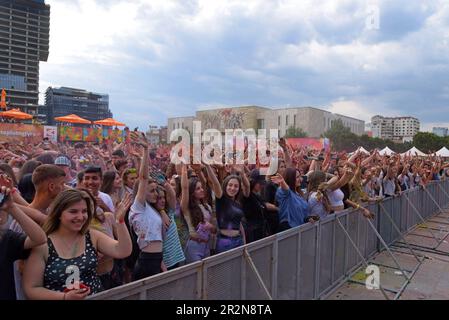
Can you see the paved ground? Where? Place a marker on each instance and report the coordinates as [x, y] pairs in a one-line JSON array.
[[431, 279]]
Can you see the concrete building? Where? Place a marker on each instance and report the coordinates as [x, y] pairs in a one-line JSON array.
[[311, 120], [157, 135], [440, 131], [24, 41], [88, 105], [179, 123], [400, 129]]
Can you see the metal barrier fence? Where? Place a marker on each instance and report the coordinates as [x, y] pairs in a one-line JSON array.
[[306, 262]]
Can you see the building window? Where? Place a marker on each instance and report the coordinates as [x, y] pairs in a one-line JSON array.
[[260, 124], [279, 120], [294, 120], [174, 126], [178, 125], [286, 120]]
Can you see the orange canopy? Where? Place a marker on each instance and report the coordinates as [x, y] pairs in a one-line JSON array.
[[109, 122], [16, 114], [72, 118], [3, 99]]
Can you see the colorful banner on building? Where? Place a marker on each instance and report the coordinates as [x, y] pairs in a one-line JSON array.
[[51, 132], [17, 132], [91, 134], [316, 144]]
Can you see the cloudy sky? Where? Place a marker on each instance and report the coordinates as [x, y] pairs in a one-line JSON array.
[[161, 58]]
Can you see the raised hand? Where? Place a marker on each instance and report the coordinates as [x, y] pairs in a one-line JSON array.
[[277, 178], [139, 138], [123, 207]]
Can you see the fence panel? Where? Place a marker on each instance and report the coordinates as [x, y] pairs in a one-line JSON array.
[[341, 245], [261, 253], [385, 226], [326, 253], [308, 261], [371, 238], [222, 276], [183, 283], [396, 216], [289, 248], [352, 228]]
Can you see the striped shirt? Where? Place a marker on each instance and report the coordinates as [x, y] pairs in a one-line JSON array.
[[172, 250]]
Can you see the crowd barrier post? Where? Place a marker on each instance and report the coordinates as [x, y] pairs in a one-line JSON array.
[[400, 233], [256, 272], [348, 236], [438, 241]]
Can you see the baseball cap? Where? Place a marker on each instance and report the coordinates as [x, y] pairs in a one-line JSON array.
[[63, 161]]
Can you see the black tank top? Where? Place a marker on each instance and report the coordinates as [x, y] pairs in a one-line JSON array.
[[55, 275]]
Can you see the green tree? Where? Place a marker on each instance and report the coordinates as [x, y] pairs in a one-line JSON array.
[[428, 142], [341, 137], [293, 132]]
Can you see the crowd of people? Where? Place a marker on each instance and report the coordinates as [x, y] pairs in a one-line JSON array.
[[77, 219]]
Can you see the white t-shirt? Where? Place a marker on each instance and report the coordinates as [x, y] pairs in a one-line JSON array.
[[107, 200], [146, 223]]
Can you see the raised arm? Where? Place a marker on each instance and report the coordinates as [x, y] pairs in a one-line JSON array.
[[184, 190], [214, 183], [245, 182], [278, 179], [122, 247], [287, 157], [171, 195], [143, 170], [336, 183], [35, 234]]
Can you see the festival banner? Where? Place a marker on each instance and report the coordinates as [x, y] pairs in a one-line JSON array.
[[315, 144], [21, 133], [70, 134]]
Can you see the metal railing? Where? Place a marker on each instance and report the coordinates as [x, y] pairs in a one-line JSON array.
[[306, 262]]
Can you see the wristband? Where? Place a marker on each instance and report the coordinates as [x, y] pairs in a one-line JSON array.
[[121, 221]]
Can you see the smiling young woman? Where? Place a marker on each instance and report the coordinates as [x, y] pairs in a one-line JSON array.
[[70, 254]]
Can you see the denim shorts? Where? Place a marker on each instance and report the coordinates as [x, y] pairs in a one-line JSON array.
[[225, 243], [196, 251]]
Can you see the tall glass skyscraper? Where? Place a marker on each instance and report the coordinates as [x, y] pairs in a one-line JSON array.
[[24, 41], [88, 105]]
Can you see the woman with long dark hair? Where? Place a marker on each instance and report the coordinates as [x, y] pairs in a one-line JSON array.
[[293, 208], [229, 208], [146, 220], [172, 251], [112, 185], [199, 215]]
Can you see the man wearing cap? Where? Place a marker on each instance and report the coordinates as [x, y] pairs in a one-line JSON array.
[[65, 164]]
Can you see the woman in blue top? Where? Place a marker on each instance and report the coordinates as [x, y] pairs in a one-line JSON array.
[[293, 208]]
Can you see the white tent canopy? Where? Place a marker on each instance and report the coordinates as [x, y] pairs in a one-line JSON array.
[[443, 152], [413, 152], [363, 150], [386, 151]]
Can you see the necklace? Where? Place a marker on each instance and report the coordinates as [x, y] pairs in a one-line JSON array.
[[74, 246]]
